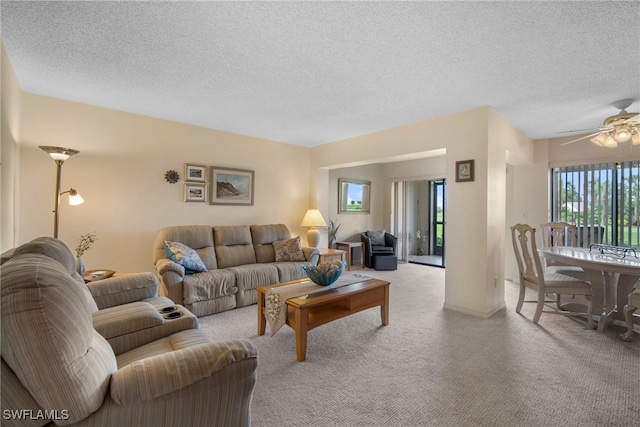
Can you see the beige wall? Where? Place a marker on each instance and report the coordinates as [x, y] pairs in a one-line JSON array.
[[123, 158], [354, 224], [9, 156], [475, 210], [120, 173]]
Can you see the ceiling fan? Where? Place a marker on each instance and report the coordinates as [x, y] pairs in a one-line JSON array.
[[621, 128]]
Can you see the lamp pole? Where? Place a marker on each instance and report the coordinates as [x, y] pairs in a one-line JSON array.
[[59, 155], [57, 203]]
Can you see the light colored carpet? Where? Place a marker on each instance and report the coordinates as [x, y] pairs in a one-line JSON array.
[[435, 367]]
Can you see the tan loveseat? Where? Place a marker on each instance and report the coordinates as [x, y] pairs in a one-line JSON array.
[[238, 259], [58, 369]]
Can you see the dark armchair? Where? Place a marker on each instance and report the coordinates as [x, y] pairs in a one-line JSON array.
[[378, 243]]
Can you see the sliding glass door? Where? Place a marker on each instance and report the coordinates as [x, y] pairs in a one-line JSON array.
[[437, 218], [602, 200], [418, 220]]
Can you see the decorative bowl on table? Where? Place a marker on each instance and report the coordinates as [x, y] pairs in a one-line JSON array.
[[325, 273]]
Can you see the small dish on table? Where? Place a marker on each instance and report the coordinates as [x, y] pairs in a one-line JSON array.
[[93, 275]]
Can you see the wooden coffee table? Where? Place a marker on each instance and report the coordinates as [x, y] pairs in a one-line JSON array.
[[304, 314]]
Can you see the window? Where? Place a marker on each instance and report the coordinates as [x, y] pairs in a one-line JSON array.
[[602, 200]]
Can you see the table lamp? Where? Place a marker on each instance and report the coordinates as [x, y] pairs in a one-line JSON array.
[[313, 219]]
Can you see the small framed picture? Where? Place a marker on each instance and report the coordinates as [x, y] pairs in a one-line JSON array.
[[195, 192], [195, 173], [464, 171], [231, 186]]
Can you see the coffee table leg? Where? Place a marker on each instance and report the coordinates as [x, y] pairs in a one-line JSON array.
[[261, 319], [384, 308], [302, 318]]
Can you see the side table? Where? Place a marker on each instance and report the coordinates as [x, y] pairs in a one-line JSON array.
[[349, 246], [327, 255]]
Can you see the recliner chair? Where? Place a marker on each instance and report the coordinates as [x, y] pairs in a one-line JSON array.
[[57, 368], [377, 255]]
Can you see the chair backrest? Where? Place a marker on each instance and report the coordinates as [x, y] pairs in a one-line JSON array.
[[523, 237], [197, 237], [48, 339], [559, 234]]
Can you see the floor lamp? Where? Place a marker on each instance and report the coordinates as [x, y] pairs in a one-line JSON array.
[[59, 155]]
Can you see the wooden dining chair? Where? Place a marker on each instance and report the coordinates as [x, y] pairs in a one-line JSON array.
[[629, 309], [534, 276], [561, 234]]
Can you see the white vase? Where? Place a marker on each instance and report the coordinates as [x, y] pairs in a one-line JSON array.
[[80, 266]]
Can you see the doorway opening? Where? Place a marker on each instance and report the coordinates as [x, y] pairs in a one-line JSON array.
[[419, 222]]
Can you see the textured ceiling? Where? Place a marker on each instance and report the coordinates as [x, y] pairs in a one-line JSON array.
[[309, 73]]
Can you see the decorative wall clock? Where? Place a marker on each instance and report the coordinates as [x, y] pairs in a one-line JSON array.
[[172, 176]]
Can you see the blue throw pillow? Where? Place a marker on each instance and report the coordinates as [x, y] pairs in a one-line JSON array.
[[377, 237], [185, 256]]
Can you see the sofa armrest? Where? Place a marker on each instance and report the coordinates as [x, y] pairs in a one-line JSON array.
[[391, 241], [165, 266], [120, 290], [155, 376], [171, 278], [126, 319], [312, 255]]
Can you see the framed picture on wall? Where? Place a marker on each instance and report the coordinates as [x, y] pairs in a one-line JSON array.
[[464, 171], [354, 196], [195, 173], [195, 192], [231, 186]]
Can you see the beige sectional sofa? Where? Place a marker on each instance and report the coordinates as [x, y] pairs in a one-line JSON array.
[[58, 368], [238, 259]]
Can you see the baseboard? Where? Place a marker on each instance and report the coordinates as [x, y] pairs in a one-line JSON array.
[[481, 314]]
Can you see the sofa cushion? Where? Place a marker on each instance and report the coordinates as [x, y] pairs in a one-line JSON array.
[[185, 256], [209, 285], [251, 276], [263, 237], [48, 339], [197, 237], [233, 245], [288, 271], [173, 342], [377, 237], [382, 249], [288, 250]]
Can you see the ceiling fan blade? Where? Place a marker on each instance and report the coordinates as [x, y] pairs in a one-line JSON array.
[[578, 130], [580, 139]]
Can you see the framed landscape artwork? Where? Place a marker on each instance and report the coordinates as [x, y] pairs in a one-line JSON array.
[[354, 196], [195, 173], [231, 186], [195, 192]]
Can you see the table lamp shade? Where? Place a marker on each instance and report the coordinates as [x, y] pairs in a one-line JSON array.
[[313, 219]]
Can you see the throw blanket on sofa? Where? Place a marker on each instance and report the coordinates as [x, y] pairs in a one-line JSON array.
[[276, 298]]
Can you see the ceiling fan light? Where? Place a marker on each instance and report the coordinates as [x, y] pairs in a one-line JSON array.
[[600, 139], [635, 138], [610, 142], [622, 134]]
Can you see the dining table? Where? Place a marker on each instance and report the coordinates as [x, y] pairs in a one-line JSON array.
[[612, 271]]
